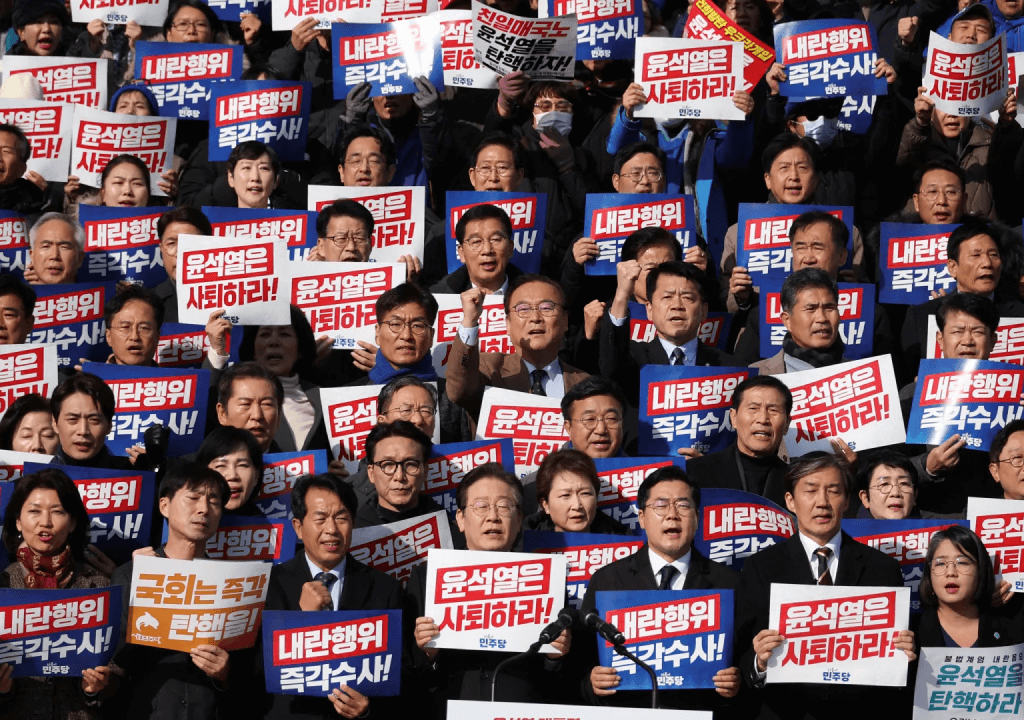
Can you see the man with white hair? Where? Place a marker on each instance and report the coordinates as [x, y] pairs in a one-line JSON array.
[[57, 249]]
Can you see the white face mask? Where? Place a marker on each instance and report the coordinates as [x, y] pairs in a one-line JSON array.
[[560, 121], [822, 131], [669, 124]]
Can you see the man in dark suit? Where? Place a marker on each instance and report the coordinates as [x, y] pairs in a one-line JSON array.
[[175, 222], [818, 491], [761, 406], [677, 305], [323, 576], [668, 507]]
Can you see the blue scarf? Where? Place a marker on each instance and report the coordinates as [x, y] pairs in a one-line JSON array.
[[383, 372]]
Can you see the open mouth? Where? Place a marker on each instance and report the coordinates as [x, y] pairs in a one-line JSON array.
[[45, 537], [952, 588], [82, 447], [331, 546]]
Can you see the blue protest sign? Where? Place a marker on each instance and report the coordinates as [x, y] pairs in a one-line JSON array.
[[905, 540], [972, 398], [298, 227], [762, 240], [233, 10], [121, 244], [828, 58], [184, 345], [528, 212], [585, 554], [46, 633], [146, 396], [857, 114], [913, 262], [386, 55], [620, 479], [449, 462], [735, 524], [71, 317], [605, 30], [13, 243], [239, 537], [274, 112], [314, 653], [684, 635], [612, 217], [687, 407], [856, 318], [181, 75], [280, 471], [714, 331]]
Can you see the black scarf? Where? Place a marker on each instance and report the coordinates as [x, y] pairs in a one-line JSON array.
[[816, 358]]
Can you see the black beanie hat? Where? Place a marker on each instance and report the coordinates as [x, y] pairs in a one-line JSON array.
[[25, 11]]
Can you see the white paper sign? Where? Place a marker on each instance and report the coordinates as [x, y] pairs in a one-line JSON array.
[[689, 78], [48, 127], [11, 463], [100, 136], [396, 548], [477, 710], [119, 12], [534, 422], [543, 49], [1000, 525], [1009, 347], [838, 635], [857, 401], [26, 369], [79, 81], [973, 684], [460, 66], [286, 14], [398, 216], [493, 328], [495, 601], [248, 278], [966, 80]]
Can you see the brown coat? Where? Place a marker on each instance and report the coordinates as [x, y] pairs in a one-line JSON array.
[[775, 365]]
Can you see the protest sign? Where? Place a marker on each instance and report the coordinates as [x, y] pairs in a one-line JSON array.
[[762, 241], [48, 127], [120, 12], [241, 538], [684, 635], [687, 407], [14, 246], [71, 317], [966, 80], [585, 554], [450, 462], [620, 479], [476, 710], [275, 113], [315, 653], [543, 49], [387, 55], [906, 541], [121, 244], [350, 414], [339, 299], [838, 635], [856, 401], [178, 604], [980, 684], [735, 524], [1009, 347], [707, 21], [26, 369], [828, 58], [495, 601], [181, 75], [689, 78], [713, 332], [395, 10], [233, 10], [286, 14], [396, 548], [605, 30], [533, 422], [612, 217], [280, 471], [856, 318], [100, 136], [58, 633], [493, 329], [527, 211], [246, 277], [460, 66], [1000, 525], [972, 398], [184, 345], [914, 262], [398, 222], [297, 227], [175, 398], [12, 465], [76, 81], [857, 114]]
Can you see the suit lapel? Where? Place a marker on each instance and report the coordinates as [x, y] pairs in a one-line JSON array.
[[696, 572], [357, 585], [797, 565], [300, 575], [656, 353], [513, 370], [851, 564], [640, 566]]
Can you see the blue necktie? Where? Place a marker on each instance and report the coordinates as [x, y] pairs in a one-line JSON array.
[[328, 580]]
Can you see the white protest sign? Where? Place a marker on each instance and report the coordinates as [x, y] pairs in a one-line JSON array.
[[460, 66], [497, 601], [12, 463], [286, 14], [26, 369], [857, 401], [543, 49], [396, 548], [533, 422], [966, 80], [48, 127], [492, 326], [100, 136], [975, 683], [78, 81], [119, 12], [477, 710], [838, 634], [1000, 525], [689, 78], [398, 216], [248, 278]]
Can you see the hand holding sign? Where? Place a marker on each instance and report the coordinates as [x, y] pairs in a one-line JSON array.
[[765, 643], [945, 456], [94, 680], [633, 98], [212, 660], [426, 631], [1008, 110], [349, 702], [775, 75]]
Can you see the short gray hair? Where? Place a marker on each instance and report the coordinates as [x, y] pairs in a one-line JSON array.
[[76, 229], [387, 393]]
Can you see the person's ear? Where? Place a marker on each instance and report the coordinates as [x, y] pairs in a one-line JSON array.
[[864, 498], [791, 503]]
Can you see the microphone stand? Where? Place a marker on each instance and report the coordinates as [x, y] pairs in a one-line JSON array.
[[621, 650], [534, 649]]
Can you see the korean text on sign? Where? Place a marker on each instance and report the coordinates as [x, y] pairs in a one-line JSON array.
[[914, 262], [762, 242], [828, 58], [585, 554], [619, 480], [689, 78], [280, 471], [707, 21], [735, 525], [856, 318], [493, 329], [545, 49], [101, 136], [122, 244], [983, 683], [387, 55], [533, 422], [48, 127], [396, 548], [607, 28], [611, 217], [460, 66], [450, 462], [274, 113], [1009, 346], [296, 227], [26, 369], [966, 80], [181, 75], [71, 317], [398, 226], [120, 12], [527, 211], [79, 82], [350, 414], [1000, 525]]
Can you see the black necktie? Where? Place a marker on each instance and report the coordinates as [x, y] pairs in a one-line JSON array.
[[824, 576], [668, 574], [537, 376], [328, 580], [677, 357]]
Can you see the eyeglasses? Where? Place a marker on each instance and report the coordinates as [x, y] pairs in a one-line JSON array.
[[410, 467], [964, 566], [654, 174], [1017, 461], [476, 244], [932, 194], [396, 326], [374, 161], [482, 508], [125, 329], [611, 420], [183, 25], [525, 310], [548, 106], [502, 170], [406, 411], [885, 487], [342, 240], [660, 507]]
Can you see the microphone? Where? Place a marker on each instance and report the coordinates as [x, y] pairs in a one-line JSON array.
[[605, 629], [552, 631]]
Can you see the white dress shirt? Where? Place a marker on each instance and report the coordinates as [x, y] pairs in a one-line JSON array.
[[833, 561], [682, 565], [554, 385]]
